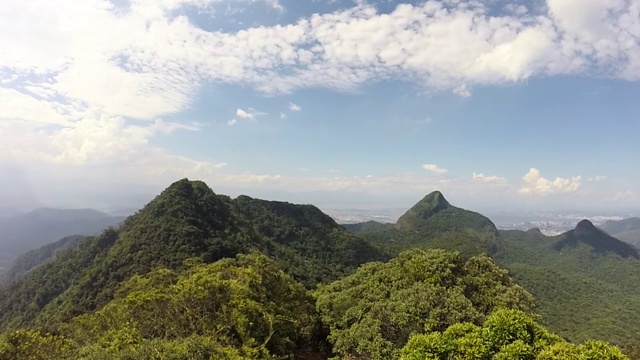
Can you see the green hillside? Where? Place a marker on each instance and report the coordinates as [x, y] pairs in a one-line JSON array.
[[197, 276], [417, 216], [367, 227], [421, 305], [433, 223], [187, 220], [583, 269]]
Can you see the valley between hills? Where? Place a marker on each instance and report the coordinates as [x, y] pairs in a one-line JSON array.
[[199, 275]]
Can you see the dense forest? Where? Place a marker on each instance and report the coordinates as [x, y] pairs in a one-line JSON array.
[[197, 275]]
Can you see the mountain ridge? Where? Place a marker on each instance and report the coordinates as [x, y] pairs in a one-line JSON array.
[[186, 220]]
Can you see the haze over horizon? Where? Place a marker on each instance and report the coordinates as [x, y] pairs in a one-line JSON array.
[[529, 105]]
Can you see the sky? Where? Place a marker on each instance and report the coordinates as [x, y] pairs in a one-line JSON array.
[[511, 105]]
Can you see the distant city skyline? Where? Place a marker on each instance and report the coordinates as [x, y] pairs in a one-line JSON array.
[[503, 105]]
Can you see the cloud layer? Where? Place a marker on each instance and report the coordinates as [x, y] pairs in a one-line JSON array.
[[85, 82]]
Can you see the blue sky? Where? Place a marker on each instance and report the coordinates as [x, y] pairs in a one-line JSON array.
[[529, 105]]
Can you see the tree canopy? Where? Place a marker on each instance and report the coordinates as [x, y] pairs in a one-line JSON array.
[[372, 312], [505, 335]]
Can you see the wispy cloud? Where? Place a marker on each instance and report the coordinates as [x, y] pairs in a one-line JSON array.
[[488, 179], [249, 114], [434, 169], [294, 107]]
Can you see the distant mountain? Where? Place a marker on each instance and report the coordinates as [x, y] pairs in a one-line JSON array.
[[627, 230], [584, 269], [420, 213], [29, 260], [23, 232], [434, 223], [599, 241], [31, 230], [186, 220]]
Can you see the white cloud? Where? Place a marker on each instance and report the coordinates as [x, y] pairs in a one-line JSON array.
[[18, 106], [74, 74], [283, 116], [434, 169], [160, 126], [250, 114], [294, 107], [143, 61], [488, 179], [536, 184], [244, 115]]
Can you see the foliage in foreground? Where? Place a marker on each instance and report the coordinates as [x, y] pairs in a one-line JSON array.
[[372, 313], [505, 335], [244, 308], [421, 305]]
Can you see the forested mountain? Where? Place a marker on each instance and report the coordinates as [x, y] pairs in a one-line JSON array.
[[422, 305], [372, 313], [582, 269], [29, 260], [197, 275], [187, 220], [627, 230], [434, 223], [29, 231], [367, 227]]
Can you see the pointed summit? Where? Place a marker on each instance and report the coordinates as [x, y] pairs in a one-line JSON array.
[[586, 228], [599, 241], [434, 223], [424, 209]]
